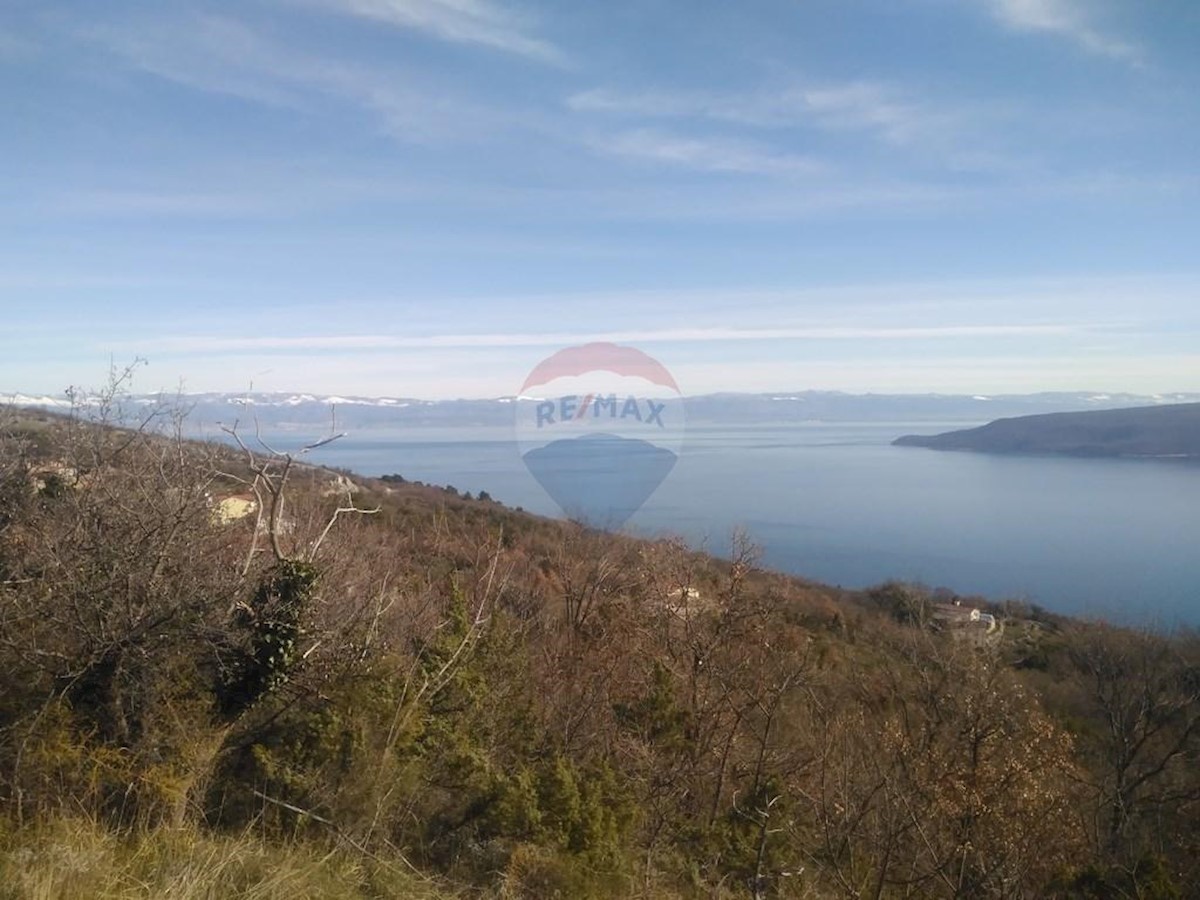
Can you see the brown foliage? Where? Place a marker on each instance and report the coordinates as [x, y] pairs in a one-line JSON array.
[[448, 684]]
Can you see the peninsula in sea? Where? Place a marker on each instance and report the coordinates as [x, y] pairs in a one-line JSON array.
[[1152, 431]]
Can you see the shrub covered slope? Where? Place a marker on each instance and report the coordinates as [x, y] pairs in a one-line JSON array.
[[348, 687]]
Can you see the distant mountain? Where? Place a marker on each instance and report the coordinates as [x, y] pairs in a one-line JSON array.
[[1155, 431], [835, 406], [305, 411]]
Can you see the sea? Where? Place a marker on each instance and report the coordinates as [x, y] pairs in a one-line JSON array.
[[1117, 539]]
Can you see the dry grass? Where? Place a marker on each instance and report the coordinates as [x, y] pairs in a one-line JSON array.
[[75, 858]]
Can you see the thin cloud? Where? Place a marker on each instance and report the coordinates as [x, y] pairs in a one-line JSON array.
[[212, 54], [988, 374], [872, 107], [952, 133], [855, 105], [478, 22], [704, 153], [219, 55], [217, 344], [1064, 18]]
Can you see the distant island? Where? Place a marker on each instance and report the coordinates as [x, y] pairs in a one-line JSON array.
[[1152, 431]]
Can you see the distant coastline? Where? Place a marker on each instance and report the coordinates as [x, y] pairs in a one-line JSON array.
[[1155, 432]]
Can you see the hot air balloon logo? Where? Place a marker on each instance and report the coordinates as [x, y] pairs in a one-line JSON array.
[[600, 426]]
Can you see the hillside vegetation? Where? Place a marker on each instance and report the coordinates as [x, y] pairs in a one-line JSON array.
[[1156, 431], [352, 687]]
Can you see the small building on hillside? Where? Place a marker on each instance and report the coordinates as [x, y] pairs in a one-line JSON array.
[[964, 620], [685, 602]]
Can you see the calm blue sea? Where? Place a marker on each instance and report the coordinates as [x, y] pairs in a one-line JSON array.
[[1112, 538]]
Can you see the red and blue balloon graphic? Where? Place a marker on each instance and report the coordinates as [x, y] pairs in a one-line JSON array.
[[600, 426]]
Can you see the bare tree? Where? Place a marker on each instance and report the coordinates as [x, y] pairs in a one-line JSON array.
[[1143, 692]]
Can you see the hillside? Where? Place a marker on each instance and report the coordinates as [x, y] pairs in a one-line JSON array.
[[224, 672], [1156, 431]]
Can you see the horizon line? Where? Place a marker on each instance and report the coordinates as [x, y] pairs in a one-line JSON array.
[[335, 397]]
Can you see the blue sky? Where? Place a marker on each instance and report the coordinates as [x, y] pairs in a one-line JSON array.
[[425, 197]]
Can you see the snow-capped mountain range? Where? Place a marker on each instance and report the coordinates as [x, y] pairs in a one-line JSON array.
[[281, 410]]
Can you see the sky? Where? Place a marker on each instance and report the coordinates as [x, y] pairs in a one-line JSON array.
[[424, 198]]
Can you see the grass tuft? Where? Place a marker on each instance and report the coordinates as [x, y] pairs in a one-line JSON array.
[[77, 858]]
